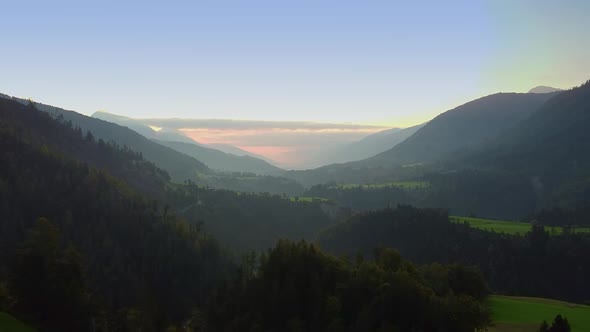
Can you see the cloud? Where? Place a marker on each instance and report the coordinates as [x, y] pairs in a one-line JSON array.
[[291, 143], [177, 123]]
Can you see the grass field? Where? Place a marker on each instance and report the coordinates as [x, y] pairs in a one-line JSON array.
[[10, 324], [508, 227], [308, 199], [525, 314], [397, 184]]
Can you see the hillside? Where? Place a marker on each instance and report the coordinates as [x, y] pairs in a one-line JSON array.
[[179, 166], [297, 287], [463, 127], [80, 245], [550, 147], [364, 148], [510, 264], [58, 136], [380, 142], [222, 161]]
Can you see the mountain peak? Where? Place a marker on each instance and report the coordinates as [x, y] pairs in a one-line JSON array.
[[543, 89]]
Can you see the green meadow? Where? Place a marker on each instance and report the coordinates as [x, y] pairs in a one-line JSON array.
[[11, 324], [508, 227], [525, 314], [308, 199], [396, 184]]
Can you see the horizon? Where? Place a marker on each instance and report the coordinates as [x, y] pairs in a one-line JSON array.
[[286, 150]]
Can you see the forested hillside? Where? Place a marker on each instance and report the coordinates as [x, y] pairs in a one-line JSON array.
[[551, 147], [41, 130], [248, 221], [179, 166], [533, 264], [296, 287], [80, 246]]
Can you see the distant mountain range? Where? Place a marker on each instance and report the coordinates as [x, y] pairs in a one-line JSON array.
[[213, 158], [367, 147], [544, 89], [224, 161]]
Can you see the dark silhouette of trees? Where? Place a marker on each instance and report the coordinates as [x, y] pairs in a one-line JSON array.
[[560, 324], [511, 264], [297, 287]]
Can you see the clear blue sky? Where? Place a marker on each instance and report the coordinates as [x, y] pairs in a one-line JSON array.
[[379, 62]]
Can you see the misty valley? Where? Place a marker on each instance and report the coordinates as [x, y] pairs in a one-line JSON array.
[[295, 166], [481, 211]]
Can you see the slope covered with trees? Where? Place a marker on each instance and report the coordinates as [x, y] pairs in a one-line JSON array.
[[80, 247], [82, 251], [296, 287], [550, 147], [532, 264], [179, 166], [248, 221], [42, 130]]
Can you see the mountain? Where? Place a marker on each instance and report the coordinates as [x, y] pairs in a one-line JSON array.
[[145, 130], [544, 89], [237, 151], [179, 166], [552, 147], [236, 161], [379, 142], [367, 147], [224, 161], [119, 161], [463, 127]]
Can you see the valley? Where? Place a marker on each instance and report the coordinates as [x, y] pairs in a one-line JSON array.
[[295, 166]]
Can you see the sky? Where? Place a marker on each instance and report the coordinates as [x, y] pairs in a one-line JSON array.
[[379, 63]]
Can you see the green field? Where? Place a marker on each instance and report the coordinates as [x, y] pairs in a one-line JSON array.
[[10, 324], [525, 314], [508, 227], [396, 184], [308, 199]]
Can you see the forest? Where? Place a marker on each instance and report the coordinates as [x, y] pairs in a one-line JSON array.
[[94, 236], [87, 250]]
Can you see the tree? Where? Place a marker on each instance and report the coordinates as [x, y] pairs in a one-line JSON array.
[[560, 324], [48, 281]]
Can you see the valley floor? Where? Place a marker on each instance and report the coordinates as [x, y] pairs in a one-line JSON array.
[[525, 314]]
